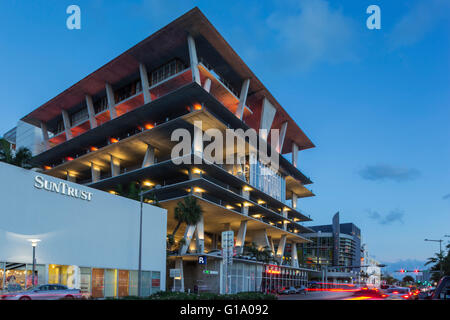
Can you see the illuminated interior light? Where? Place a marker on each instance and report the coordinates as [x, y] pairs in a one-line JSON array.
[[286, 209], [69, 158], [229, 207], [247, 204], [147, 183], [197, 106], [47, 167], [112, 192], [257, 216], [271, 223], [261, 202], [148, 126], [197, 171], [247, 188], [199, 190], [296, 219], [113, 140], [93, 149]]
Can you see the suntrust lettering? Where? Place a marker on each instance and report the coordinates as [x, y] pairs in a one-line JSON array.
[[61, 188]]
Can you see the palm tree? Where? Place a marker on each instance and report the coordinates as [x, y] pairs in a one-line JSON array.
[[21, 158], [187, 211], [130, 191], [263, 254], [441, 258]]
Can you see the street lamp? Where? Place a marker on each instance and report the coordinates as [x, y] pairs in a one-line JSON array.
[[440, 253], [34, 243]]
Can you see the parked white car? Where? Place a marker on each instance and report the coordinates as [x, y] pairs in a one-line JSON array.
[[43, 292]]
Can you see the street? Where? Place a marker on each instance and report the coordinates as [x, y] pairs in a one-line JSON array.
[[318, 295]]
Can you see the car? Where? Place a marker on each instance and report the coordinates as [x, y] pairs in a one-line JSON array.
[[370, 292], [301, 289], [290, 290], [414, 292], [44, 292], [397, 293]]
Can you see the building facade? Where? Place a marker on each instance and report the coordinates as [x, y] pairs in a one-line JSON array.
[[85, 238], [118, 126]]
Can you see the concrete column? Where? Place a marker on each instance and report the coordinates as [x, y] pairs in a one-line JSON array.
[[45, 135], [71, 177], [111, 101], [280, 249], [149, 157], [188, 234], [260, 238], [200, 241], [95, 172], [242, 99], [66, 121], [145, 84], [179, 265], [294, 201], [193, 60], [271, 245], [115, 166], [91, 112], [267, 116], [295, 154], [245, 194], [240, 239], [207, 85], [281, 137], [284, 212], [294, 255]]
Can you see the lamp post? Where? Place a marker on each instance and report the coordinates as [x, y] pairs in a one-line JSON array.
[[440, 253], [33, 244]]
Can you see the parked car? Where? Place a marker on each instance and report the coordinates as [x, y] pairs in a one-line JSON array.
[[301, 289], [290, 290], [44, 292]]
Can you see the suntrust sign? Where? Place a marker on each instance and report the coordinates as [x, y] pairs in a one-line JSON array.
[[62, 188]]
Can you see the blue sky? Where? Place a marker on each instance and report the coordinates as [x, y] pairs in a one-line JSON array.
[[375, 102]]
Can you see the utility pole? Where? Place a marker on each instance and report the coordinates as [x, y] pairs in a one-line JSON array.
[[441, 272]]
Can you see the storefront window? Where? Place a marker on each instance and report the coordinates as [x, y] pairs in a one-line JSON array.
[[133, 283], [97, 282], [156, 281], [110, 282], [124, 283], [85, 280], [146, 283]]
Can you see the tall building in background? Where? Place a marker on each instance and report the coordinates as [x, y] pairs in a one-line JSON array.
[[114, 128]]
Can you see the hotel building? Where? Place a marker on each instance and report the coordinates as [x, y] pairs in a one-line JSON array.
[[114, 127]]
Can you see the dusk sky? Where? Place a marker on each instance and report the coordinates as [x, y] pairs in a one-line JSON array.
[[376, 103]]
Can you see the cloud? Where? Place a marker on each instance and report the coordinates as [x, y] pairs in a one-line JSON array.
[[312, 32], [388, 172], [422, 18], [447, 196], [387, 219]]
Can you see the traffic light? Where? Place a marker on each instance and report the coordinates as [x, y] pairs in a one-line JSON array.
[[402, 270]]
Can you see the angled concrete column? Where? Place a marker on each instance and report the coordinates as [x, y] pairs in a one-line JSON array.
[[207, 85], [200, 236], [149, 157], [271, 245], [115, 166], [145, 84], [294, 200], [66, 122], [280, 249], [95, 172], [281, 137], [295, 154], [193, 60], [294, 255], [45, 135], [111, 101], [242, 98], [91, 112], [267, 116], [188, 234], [260, 238], [284, 212], [71, 177], [240, 239], [179, 265]]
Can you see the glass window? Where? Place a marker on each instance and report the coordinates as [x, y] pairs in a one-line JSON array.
[[85, 280], [124, 283], [146, 283], [156, 281], [133, 283], [110, 282], [97, 282]]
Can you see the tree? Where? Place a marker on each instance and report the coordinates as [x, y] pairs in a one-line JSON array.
[[21, 158], [438, 259], [263, 254], [130, 191], [187, 211], [408, 279]]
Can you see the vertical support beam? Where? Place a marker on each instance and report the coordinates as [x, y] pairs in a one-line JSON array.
[[91, 112], [111, 101], [267, 116], [207, 85], [240, 239], [95, 172], [281, 137], [193, 60], [294, 200], [295, 154], [294, 255], [66, 121], [71, 177], [45, 135], [280, 249], [188, 234], [242, 99], [145, 84], [200, 241], [149, 157], [115, 166], [245, 194], [284, 212], [271, 245], [179, 265]]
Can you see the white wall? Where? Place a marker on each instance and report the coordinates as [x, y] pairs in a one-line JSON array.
[[103, 232]]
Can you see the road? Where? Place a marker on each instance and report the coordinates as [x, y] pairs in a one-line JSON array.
[[318, 295]]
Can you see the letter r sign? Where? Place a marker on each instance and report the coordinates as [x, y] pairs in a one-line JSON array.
[[202, 260]]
